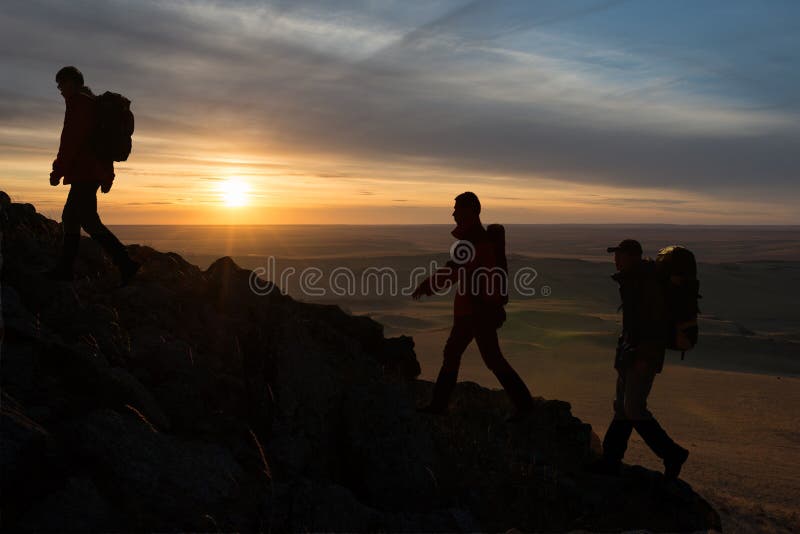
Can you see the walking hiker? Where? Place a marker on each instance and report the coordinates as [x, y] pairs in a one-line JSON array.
[[85, 170], [646, 333], [478, 269]]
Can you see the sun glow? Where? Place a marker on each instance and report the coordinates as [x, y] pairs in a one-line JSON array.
[[234, 192]]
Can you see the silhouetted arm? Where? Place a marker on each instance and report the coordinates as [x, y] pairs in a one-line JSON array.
[[440, 280], [75, 133]]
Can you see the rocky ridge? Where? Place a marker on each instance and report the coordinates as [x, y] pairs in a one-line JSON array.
[[187, 402]]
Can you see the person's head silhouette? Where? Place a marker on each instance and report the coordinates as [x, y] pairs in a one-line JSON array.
[[627, 255], [467, 210], [69, 81]]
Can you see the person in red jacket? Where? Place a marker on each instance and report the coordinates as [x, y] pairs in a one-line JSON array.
[[81, 169], [477, 309]]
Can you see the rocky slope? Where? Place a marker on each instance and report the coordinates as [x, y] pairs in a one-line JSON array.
[[187, 402]]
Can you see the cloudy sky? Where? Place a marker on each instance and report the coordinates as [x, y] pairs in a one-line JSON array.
[[360, 111]]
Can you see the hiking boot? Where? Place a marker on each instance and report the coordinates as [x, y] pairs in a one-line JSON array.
[[604, 466], [672, 465], [615, 442], [127, 271]]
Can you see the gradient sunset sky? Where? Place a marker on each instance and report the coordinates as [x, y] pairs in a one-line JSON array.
[[359, 111]]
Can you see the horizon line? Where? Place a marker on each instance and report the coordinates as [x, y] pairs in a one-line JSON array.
[[687, 225]]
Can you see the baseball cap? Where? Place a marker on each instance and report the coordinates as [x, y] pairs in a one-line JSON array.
[[630, 246]]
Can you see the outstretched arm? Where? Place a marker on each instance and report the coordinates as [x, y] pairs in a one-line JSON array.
[[439, 280]]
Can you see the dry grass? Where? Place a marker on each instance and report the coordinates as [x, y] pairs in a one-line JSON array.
[[141, 416], [264, 462]]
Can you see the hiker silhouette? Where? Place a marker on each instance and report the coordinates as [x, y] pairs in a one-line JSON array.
[[646, 331], [80, 166], [477, 308]]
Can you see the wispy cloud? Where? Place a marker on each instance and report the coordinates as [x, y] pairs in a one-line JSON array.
[[573, 92]]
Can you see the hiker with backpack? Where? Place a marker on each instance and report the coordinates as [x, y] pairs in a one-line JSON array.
[[95, 134], [479, 270], [659, 310]]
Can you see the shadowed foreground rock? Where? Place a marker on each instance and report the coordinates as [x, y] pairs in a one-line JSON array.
[[187, 402]]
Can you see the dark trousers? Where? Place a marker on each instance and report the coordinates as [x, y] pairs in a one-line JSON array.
[[634, 383], [80, 211], [465, 329]]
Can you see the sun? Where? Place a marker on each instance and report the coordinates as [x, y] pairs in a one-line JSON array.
[[234, 192]]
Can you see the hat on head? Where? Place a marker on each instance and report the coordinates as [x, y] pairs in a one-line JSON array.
[[630, 246]]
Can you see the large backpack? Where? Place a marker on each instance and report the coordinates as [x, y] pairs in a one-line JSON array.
[[678, 270], [114, 128], [497, 235]]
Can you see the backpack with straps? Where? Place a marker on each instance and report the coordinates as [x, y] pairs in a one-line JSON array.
[[114, 127], [677, 268], [497, 236]]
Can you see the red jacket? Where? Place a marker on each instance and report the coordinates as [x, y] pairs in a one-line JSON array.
[[76, 160], [475, 294]]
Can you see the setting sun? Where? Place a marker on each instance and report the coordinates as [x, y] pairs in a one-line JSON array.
[[234, 192]]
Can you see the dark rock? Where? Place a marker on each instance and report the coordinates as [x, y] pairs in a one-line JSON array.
[[77, 507], [397, 357], [171, 477], [22, 445], [306, 506], [25, 468], [190, 401], [131, 393], [385, 451]]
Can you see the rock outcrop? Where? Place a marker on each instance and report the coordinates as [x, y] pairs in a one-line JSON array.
[[185, 401]]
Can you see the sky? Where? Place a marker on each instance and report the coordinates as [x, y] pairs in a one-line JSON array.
[[370, 112]]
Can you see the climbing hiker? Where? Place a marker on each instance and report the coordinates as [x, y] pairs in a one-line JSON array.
[[478, 268], [646, 333], [85, 168]]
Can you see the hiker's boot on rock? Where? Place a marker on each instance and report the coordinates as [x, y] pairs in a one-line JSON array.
[[615, 443], [657, 439], [673, 465]]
